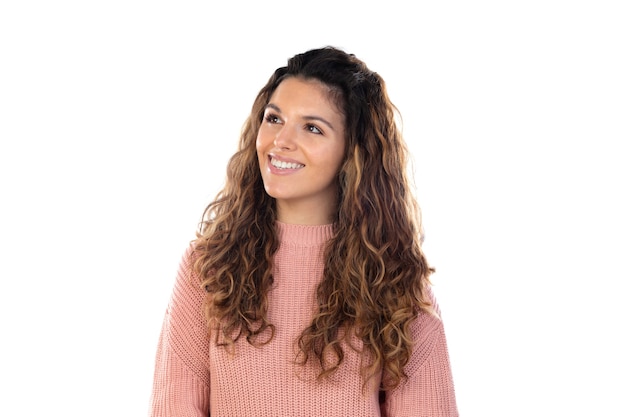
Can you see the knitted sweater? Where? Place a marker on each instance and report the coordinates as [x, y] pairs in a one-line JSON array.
[[194, 377]]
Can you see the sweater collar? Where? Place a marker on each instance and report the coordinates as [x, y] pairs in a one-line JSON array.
[[306, 235]]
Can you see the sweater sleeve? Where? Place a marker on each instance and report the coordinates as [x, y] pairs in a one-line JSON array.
[[429, 389], [181, 375]]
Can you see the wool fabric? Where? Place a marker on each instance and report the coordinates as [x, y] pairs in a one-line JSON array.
[[195, 377]]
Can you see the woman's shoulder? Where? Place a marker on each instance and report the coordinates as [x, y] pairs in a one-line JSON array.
[[187, 283], [427, 333]]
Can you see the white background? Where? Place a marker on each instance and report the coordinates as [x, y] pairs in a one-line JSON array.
[[117, 119]]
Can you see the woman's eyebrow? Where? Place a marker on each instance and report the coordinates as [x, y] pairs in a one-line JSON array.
[[320, 119], [272, 106], [316, 118]]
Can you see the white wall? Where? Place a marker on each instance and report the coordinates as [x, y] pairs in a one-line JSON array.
[[117, 118]]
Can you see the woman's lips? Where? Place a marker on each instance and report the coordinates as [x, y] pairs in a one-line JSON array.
[[282, 166]]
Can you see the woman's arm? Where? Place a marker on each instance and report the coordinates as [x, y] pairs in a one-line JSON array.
[[429, 389], [181, 376]]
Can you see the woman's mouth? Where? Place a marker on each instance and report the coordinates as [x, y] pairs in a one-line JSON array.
[[284, 165]]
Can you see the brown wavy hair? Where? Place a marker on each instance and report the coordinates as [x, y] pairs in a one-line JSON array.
[[375, 272]]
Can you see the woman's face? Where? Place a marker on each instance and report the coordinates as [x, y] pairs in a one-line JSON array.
[[301, 146]]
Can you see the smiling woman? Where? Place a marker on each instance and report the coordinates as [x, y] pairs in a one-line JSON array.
[[308, 271], [301, 145]]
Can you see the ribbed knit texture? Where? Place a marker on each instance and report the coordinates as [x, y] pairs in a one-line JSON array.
[[194, 376]]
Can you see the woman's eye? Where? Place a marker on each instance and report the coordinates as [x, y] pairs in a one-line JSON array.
[[270, 118], [313, 129]]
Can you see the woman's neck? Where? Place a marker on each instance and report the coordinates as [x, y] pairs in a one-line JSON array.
[[298, 214]]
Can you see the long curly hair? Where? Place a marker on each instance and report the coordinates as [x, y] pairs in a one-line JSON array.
[[375, 273]]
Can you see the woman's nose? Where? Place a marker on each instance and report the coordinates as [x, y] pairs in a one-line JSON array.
[[285, 137]]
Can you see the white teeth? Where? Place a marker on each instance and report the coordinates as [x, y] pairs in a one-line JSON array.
[[285, 165]]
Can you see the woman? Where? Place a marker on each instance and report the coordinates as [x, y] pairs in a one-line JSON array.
[[306, 291]]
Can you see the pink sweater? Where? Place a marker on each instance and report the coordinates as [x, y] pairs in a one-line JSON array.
[[194, 377]]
